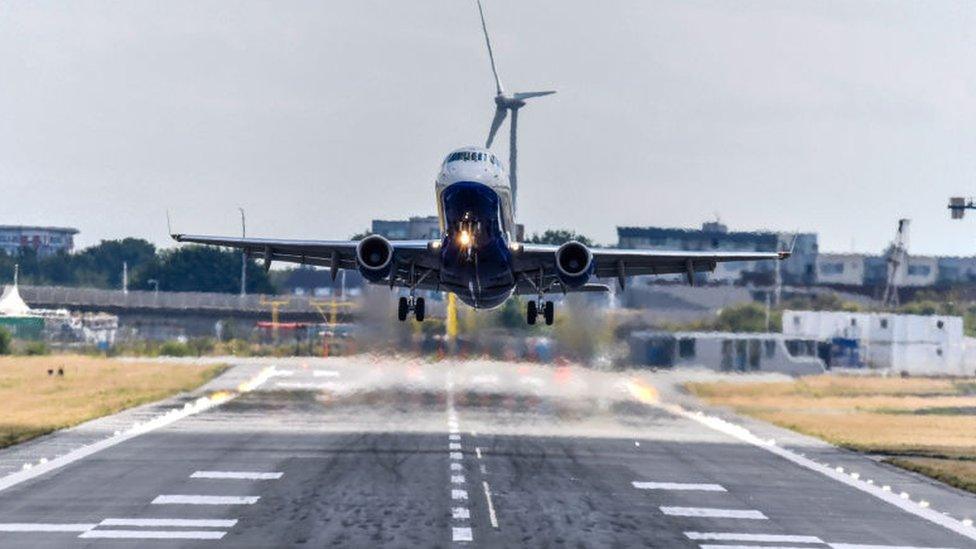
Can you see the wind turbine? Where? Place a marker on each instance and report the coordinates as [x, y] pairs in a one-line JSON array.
[[503, 104]]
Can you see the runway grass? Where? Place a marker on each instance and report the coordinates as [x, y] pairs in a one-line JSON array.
[[925, 425], [34, 402]]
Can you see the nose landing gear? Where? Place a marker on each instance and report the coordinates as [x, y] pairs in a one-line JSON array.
[[415, 304]]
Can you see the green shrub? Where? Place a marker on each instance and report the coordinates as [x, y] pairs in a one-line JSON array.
[[35, 348], [5, 340], [174, 348]]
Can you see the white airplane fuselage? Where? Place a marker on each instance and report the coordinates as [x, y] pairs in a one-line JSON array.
[[474, 205]]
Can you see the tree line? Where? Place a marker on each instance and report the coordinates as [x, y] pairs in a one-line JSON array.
[[183, 269]]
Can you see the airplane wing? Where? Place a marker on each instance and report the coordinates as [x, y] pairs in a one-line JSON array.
[[621, 264], [335, 254]]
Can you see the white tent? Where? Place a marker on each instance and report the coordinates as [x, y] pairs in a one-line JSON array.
[[11, 304]]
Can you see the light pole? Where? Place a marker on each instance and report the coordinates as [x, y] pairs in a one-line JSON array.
[[243, 255]]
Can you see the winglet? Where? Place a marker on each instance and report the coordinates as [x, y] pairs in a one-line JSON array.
[[169, 229], [787, 253]]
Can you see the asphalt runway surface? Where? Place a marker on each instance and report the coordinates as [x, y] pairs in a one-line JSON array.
[[370, 452]]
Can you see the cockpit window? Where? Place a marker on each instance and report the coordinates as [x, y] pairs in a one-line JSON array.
[[472, 156]]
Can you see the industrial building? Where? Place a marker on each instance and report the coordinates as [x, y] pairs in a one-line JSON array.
[[45, 241], [415, 228], [799, 269], [912, 344], [726, 352]]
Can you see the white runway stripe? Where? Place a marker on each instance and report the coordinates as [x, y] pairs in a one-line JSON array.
[[236, 475], [454, 446], [325, 373], [179, 523], [177, 499], [862, 546], [713, 513], [678, 486], [461, 534], [459, 494], [153, 534], [460, 513], [714, 546], [44, 527], [738, 536]]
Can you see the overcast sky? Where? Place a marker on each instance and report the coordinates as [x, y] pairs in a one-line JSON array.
[[316, 117]]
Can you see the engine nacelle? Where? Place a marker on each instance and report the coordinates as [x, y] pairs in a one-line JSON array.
[[574, 264], [374, 254]]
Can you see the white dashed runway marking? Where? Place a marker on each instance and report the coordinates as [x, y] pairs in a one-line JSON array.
[[178, 499], [44, 527], [461, 534], [742, 536], [708, 512], [678, 486], [177, 523], [153, 534], [236, 475]]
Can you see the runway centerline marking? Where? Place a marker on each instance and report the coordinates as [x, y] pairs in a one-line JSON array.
[[454, 446], [459, 494], [180, 499], [740, 536], [44, 527], [325, 373], [708, 512], [153, 534], [457, 479], [237, 475], [678, 486], [462, 533], [184, 523]]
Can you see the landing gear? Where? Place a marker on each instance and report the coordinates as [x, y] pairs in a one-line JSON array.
[[415, 304], [419, 308], [548, 310], [402, 309]]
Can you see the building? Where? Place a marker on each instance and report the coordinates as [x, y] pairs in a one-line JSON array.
[[715, 237], [43, 240], [415, 228], [872, 270], [726, 352], [913, 344]]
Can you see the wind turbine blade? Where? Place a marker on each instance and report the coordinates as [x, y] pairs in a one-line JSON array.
[[513, 157], [496, 122], [491, 55], [527, 95]]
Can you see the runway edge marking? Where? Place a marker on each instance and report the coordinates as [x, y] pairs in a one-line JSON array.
[[201, 404], [647, 395]]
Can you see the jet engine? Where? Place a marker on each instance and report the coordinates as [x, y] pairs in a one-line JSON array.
[[574, 264], [374, 254]]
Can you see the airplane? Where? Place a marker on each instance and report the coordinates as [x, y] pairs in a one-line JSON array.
[[478, 257]]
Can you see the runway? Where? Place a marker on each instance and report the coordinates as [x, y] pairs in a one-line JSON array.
[[370, 452]]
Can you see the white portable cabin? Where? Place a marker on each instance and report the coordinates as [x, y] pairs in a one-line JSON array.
[[913, 344]]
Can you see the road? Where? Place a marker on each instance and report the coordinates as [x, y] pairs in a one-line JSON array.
[[370, 452]]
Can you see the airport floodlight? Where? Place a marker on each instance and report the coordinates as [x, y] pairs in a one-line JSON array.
[[503, 104]]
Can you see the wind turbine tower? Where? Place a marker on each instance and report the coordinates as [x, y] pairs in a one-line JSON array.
[[503, 104]]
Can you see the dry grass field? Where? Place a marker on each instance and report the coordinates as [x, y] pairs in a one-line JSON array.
[[33, 403], [926, 425]]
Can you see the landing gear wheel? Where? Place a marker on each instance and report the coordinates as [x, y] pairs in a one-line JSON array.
[[419, 308], [549, 312], [402, 309], [531, 312]]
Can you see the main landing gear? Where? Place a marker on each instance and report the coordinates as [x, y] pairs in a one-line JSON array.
[[415, 304], [547, 308]]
